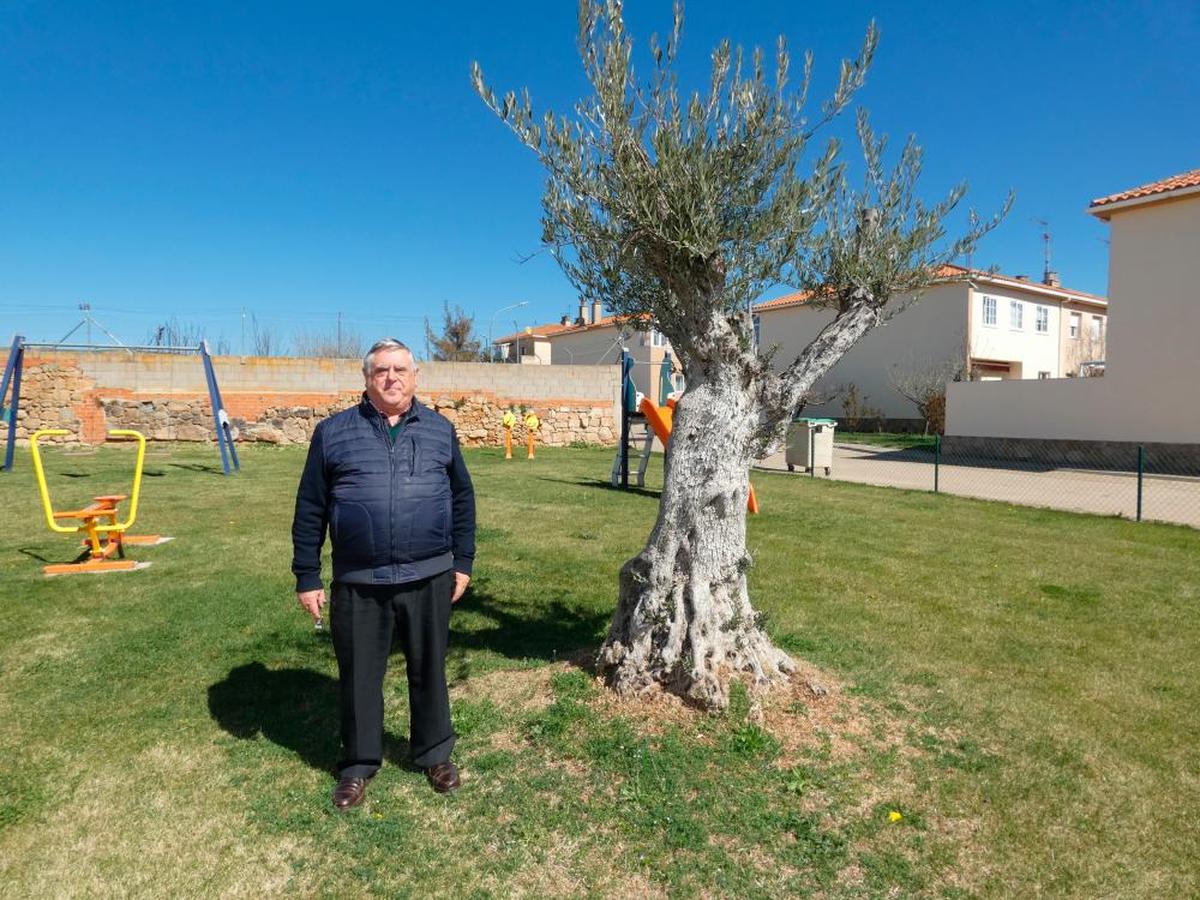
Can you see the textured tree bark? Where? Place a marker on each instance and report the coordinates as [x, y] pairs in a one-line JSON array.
[[684, 620]]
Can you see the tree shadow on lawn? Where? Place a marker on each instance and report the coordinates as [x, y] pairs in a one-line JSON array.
[[294, 708], [605, 484], [547, 631]]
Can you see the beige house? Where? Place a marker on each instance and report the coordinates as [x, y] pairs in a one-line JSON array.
[[591, 339], [997, 327], [1147, 392]]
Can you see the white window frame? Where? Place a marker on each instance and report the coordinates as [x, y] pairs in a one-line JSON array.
[[1076, 325], [989, 311], [1097, 328], [1016, 315], [1042, 320]]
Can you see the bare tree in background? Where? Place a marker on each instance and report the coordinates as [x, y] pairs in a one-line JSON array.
[[924, 386], [338, 344], [679, 210], [263, 338], [455, 343], [173, 333]]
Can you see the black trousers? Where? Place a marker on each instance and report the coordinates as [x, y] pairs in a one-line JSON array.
[[364, 619]]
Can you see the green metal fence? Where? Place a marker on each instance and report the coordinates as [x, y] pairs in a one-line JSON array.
[[1153, 482]]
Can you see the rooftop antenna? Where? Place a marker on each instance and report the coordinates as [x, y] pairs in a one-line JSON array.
[[1046, 270]]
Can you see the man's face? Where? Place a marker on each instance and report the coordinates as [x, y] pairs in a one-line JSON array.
[[392, 380]]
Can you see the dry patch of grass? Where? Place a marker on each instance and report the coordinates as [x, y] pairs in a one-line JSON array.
[[155, 825]]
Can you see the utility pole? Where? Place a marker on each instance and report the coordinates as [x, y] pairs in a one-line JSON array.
[[86, 309]]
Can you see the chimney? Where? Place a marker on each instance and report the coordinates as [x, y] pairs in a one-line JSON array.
[[1052, 278], [583, 312], [597, 311], [565, 320]]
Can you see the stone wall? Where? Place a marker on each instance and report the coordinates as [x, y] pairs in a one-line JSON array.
[[280, 400]]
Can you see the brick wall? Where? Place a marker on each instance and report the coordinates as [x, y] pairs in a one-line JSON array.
[[280, 399]]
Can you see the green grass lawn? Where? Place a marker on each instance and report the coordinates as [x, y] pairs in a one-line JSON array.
[[1019, 685]]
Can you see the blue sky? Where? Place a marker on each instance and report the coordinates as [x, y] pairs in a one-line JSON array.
[[194, 160]]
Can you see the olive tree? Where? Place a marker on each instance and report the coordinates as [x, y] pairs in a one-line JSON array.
[[678, 209]]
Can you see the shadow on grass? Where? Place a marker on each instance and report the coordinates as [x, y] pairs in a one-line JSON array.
[[604, 484], [198, 467], [548, 631], [294, 708]]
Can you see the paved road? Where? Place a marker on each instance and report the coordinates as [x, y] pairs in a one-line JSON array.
[[1164, 498]]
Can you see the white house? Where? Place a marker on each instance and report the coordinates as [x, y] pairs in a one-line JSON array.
[[591, 339], [997, 327], [1147, 394]]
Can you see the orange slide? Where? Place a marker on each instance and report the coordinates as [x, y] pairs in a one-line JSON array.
[[659, 419]]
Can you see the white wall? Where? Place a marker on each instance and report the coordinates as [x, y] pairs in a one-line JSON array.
[[1153, 348], [927, 333]]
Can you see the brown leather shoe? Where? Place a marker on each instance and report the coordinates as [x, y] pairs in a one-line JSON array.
[[443, 777], [349, 792]]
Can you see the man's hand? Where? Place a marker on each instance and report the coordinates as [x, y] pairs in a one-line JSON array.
[[460, 586], [312, 601]]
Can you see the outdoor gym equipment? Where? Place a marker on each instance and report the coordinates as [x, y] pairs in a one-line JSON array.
[[508, 420], [532, 424], [658, 421], [105, 536]]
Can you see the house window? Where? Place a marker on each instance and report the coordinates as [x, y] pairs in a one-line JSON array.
[[1016, 315], [989, 311], [1042, 376], [657, 339], [1075, 325], [1097, 328], [1043, 320]]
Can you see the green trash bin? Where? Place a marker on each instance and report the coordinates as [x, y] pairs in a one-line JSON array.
[[810, 445]]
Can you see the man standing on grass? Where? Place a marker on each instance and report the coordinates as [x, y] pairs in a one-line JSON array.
[[388, 480]]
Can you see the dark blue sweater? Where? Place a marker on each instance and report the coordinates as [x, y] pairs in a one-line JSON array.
[[396, 511]]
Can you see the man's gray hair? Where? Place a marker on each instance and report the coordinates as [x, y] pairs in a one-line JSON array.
[[379, 347]]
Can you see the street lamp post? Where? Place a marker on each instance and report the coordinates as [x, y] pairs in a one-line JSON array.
[[492, 325]]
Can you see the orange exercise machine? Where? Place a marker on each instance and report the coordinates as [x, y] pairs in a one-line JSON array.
[[105, 537]]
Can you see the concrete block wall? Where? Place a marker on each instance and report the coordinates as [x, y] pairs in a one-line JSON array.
[[280, 399]]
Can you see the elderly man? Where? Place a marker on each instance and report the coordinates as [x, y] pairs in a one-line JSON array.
[[388, 480]]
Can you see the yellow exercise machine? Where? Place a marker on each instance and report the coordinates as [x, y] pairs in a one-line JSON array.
[[105, 536], [508, 420], [532, 424]]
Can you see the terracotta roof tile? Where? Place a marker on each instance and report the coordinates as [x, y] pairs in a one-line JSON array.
[[1175, 182], [554, 329]]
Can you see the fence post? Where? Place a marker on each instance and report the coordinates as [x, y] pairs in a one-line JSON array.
[[812, 450], [1141, 472], [937, 459]]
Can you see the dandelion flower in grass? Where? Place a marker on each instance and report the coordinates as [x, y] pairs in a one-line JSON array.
[[895, 815]]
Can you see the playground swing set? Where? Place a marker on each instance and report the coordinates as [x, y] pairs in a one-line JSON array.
[[12, 379]]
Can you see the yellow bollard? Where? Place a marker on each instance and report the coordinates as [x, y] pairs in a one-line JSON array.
[[532, 423], [508, 421]]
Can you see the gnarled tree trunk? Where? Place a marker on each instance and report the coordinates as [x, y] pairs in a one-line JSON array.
[[684, 619]]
